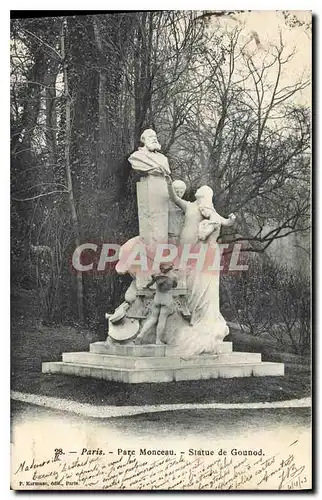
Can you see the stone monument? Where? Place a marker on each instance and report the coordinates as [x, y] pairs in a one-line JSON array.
[[152, 192], [169, 327]]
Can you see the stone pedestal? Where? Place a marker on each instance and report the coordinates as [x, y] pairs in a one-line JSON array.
[[160, 363], [153, 199]]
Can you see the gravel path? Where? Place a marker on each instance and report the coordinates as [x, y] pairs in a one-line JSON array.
[[88, 410]]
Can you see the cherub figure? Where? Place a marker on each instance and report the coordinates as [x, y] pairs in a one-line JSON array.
[[162, 305]]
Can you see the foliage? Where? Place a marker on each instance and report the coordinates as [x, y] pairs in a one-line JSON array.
[[270, 299]]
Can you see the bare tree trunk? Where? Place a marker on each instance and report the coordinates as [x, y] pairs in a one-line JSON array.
[[79, 276], [143, 77], [101, 143], [51, 116]]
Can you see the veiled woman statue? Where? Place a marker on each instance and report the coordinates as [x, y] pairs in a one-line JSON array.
[[201, 227]]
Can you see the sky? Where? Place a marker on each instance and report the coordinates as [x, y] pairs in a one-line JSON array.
[[268, 25]]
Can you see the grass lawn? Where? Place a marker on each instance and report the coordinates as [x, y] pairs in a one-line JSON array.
[[30, 346]]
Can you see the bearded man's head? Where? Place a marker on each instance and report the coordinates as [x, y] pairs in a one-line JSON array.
[[150, 141]]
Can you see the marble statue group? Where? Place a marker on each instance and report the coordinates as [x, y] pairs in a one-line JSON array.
[[169, 327], [169, 304]]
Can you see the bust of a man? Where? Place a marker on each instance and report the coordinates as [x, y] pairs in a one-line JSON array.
[[147, 159]]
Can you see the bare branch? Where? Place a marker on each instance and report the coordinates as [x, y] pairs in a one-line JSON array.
[[40, 196]]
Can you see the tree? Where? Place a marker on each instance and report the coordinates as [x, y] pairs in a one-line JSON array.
[[74, 217], [256, 141]]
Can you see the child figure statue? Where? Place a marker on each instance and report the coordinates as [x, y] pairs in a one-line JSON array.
[[162, 305]]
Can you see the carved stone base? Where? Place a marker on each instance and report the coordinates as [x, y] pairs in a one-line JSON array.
[[152, 363]]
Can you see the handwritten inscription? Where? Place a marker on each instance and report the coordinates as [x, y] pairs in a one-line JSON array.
[[166, 472]]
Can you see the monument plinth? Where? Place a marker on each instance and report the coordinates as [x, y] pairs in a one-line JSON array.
[[160, 363], [169, 327], [152, 196]]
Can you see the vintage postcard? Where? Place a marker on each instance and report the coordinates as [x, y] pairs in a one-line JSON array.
[[161, 250]]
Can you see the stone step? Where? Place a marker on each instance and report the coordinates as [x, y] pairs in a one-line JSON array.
[[113, 361], [147, 350], [135, 376]]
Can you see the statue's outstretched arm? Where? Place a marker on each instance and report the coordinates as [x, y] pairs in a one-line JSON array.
[[228, 222], [152, 281]]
